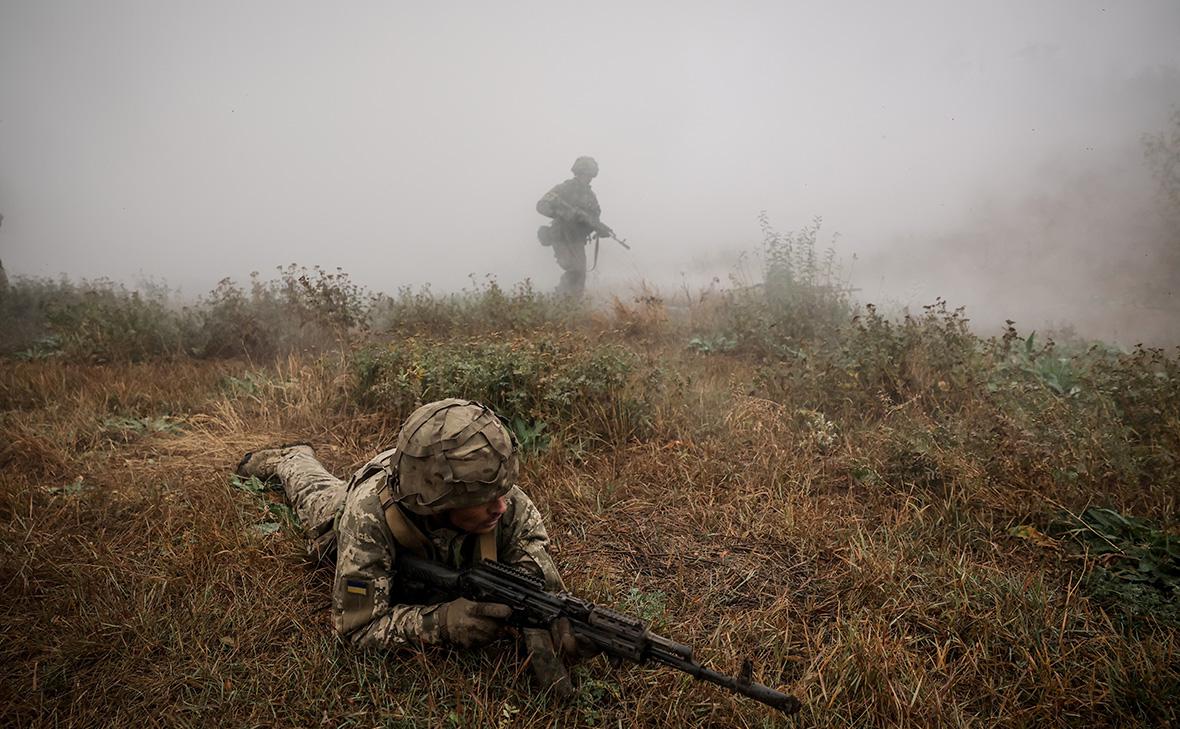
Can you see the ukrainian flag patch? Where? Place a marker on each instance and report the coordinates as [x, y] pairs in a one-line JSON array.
[[356, 587]]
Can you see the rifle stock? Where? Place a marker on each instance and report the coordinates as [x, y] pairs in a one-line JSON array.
[[614, 633]]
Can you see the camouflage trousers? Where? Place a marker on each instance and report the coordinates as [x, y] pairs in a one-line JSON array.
[[314, 494], [571, 256]]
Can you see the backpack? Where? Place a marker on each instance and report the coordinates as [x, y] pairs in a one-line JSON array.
[[547, 235]]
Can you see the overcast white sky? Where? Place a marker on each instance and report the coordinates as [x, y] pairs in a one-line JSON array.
[[408, 142]]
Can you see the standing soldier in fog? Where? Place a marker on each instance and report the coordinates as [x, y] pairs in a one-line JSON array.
[[575, 212]]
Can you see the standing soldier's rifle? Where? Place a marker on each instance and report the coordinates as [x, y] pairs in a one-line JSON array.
[[615, 634], [601, 230]]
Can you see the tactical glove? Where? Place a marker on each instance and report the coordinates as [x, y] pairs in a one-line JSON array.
[[572, 648], [471, 624], [548, 670]]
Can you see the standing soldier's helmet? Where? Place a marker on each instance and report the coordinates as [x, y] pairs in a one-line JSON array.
[[585, 166], [452, 454]]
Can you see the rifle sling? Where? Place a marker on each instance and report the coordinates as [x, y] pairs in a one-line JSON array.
[[487, 546], [405, 534]]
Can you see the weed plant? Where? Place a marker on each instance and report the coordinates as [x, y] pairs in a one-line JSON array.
[[801, 297]]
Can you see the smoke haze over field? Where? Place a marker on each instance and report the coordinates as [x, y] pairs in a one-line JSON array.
[[987, 152]]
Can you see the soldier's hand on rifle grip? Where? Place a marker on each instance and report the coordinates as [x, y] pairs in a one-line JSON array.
[[470, 624], [547, 667], [570, 647]]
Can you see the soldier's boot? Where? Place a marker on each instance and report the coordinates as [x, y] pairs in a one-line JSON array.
[[262, 463]]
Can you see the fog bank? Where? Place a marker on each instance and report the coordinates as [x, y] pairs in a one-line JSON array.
[[989, 153]]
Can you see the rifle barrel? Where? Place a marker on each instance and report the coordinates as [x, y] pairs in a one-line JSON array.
[[763, 694]]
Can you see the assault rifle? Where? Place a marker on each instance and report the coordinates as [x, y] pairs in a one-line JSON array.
[[615, 634], [591, 220]]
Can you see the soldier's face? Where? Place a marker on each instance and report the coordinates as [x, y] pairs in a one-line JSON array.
[[478, 519]]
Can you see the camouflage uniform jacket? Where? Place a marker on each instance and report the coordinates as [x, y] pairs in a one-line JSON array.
[[574, 208], [370, 608]]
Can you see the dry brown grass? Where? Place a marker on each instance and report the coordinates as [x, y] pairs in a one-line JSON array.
[[142, 594]]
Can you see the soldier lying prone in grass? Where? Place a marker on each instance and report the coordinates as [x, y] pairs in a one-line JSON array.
[[447, 493]]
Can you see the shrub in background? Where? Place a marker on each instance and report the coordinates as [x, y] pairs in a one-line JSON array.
[[483, 307], [101, 320], [561, 383], [303, 309], [872, 365], [801, 298], [92, 320]]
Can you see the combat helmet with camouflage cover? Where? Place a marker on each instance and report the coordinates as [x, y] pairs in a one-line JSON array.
[[585, 166], [452, 454]]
